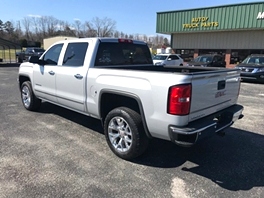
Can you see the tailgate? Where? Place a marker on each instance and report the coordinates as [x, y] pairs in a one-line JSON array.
[[213, 91]]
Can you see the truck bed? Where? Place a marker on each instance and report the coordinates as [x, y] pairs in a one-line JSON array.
[[178, 69]]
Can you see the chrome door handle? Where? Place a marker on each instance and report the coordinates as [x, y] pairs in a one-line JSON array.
[[51, 73], [78, 76]]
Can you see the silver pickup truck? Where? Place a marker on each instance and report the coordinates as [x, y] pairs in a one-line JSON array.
[[114, 80]]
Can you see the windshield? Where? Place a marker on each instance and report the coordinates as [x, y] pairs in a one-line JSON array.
[[160, 57], [254, 60], [203, 59], [39, 50]]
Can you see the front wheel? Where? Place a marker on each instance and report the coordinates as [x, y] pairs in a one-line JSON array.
[[124, 133], [29, 100]]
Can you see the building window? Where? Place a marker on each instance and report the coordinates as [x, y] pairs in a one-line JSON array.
[[212, 51]]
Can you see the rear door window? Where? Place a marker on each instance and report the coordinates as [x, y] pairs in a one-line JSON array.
[[122, 54]]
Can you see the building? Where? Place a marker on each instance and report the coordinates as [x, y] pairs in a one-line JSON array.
[[234, 31], [49, 41]]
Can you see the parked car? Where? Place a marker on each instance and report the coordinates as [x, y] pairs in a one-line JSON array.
[[208, 60], [168, 59], [31, 51], [252, 68]]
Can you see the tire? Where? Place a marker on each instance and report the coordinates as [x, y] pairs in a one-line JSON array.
[[29, 100], [124, 133], [20, 60], [181, 64]]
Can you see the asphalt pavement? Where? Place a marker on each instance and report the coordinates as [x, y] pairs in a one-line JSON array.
[[59, 153]]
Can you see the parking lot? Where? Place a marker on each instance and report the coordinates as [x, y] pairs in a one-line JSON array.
[[59, 153]]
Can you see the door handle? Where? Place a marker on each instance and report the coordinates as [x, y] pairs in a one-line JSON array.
[[78, 76], [51, 73]]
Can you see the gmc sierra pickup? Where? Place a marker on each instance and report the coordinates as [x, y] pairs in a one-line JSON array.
[[114, 80]]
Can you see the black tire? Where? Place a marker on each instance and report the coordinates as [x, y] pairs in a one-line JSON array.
[[29, 100], [20, 60], [124, 133], [181, 64]]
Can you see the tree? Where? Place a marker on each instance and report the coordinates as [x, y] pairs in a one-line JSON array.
[[1, 28], [26, 21], [90, 32], [116, 34], [104, 27], [9, 30], [18, 34]]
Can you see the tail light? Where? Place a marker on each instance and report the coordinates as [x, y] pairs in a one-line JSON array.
[[125, 40], [179, 99]]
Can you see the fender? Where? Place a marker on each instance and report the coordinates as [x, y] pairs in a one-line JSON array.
[[128, 95]]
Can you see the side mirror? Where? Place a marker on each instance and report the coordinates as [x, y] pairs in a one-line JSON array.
[[169, 59]]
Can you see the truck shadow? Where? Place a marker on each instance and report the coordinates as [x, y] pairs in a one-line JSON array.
[[234, 162], [86, 121], [9, 64]]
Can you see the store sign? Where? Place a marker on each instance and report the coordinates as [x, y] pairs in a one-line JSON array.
[[260, 15], [200, 22]]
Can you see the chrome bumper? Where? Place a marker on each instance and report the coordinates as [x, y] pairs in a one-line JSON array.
[[215, 123]]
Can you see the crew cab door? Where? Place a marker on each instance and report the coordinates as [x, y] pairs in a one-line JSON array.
[[44, 75], [71, 77]]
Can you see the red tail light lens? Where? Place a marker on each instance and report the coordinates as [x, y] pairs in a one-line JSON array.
[[179, 99], [125, 41]]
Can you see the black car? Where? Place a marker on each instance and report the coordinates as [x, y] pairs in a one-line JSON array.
[[208, 60], [32, 51], [252, 68]]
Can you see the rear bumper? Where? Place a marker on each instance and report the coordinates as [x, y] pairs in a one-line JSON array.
[[215, 123]]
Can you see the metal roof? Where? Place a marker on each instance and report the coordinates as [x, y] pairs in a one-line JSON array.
[[237, 17]]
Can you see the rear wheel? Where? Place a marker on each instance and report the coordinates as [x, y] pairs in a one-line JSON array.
[[29, 100], [124, 133]]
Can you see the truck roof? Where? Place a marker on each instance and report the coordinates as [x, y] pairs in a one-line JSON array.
[[106, 39]]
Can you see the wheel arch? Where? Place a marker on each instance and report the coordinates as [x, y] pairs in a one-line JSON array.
[[23, 78], [111, 99]]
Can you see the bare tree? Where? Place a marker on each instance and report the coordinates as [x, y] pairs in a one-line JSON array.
[[77, 26], [104, 27], [122, 35], [18, 31], [90, 32], [26, 21], [116, 34], [131, 36], [52, 25]]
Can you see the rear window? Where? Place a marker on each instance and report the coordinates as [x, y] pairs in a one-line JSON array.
[[122, 54], [160, 57]]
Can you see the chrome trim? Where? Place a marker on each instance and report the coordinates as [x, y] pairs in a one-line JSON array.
[[176, 130], [227, 125]]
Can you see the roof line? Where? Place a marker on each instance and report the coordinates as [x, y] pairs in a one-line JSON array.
[[210, 7]]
